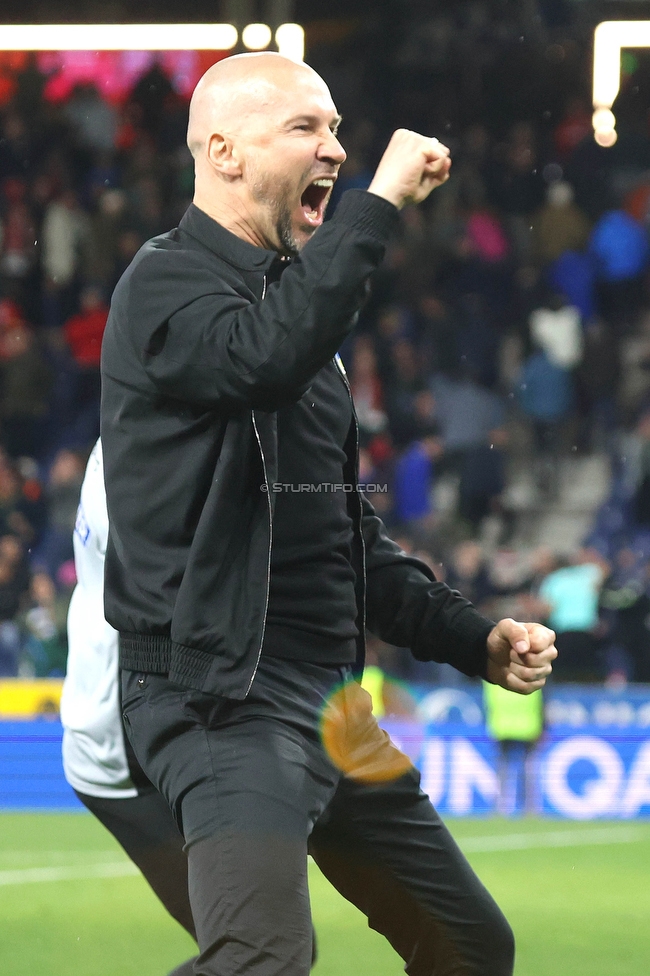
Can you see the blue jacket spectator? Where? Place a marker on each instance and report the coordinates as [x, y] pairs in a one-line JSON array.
[[574, 275], [545, 391], [413, 482], [619, 245]]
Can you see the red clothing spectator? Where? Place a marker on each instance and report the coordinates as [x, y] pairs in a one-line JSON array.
[[573, 127], [84, 331]]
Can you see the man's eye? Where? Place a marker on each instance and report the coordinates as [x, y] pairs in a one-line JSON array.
[[303, 128]]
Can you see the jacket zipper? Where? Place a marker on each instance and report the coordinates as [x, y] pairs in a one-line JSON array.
[[341, 368], [268, 499], [342, 373]]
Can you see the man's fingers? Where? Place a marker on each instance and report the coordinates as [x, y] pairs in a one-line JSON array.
[[513, 633], [528, 674], [435, 149], [539, 636], [537, 663], [532, 659], [437, 166], [515, 683]]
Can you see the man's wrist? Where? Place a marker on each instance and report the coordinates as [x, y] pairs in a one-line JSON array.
[[368, 212], [390, 196]]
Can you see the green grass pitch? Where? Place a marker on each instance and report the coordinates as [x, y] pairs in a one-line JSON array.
[[577, 895]]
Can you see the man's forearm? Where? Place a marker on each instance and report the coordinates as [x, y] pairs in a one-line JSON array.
[[408, 607]]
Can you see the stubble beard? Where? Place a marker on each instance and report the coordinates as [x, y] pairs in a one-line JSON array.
[[284, 230], [275, 198]]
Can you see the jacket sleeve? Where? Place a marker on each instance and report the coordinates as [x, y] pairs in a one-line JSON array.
[[225, 351], [408, 607]]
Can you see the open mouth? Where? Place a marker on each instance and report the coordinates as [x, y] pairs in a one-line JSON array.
[[314, 200]]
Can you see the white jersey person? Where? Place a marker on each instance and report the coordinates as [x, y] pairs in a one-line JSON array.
[[97, 759]]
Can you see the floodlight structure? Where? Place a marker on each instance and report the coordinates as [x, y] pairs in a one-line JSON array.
[[289, 38], [610, 38]]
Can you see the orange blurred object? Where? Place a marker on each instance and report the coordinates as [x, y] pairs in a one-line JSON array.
[[354, 741]]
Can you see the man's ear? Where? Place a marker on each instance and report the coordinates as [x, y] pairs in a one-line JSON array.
[[223, 156]]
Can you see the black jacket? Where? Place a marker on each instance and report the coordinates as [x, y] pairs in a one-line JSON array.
[[204, 342]]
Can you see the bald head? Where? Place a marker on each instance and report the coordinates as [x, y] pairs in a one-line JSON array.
[[240, 91], [262, 131]]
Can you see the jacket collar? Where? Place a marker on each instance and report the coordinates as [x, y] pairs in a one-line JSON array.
[[241, 254]]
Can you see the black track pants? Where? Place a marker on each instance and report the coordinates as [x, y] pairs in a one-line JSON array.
[[254, 790]]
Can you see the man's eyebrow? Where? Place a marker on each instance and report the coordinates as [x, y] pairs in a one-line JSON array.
[[315, 120]]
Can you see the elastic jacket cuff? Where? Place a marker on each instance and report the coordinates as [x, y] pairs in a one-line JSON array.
[[473, 632], [369, 213]]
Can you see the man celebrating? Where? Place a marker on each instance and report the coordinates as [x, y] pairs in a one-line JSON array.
[[241, 609]]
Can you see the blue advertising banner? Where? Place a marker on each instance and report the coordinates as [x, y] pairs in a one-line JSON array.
[[592, 761], [570, 705], [582, 775], [31, 774]]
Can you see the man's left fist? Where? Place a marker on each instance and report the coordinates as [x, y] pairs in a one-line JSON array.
[[520, 655]]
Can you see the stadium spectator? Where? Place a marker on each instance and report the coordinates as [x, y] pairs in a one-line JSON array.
[[18, 232], [25, 384], [641, 501], [22, 511], [17, 146], [469, 415], [574, 126], [92, 119], [555, 328], [65, 236], [471, 422], [515, 185], [437, 331], [14, 587], [83, 333], [620, 249], [625, 601], [468, 572], [62, 497], [546, 394], [571, 593], [150, 95], [410, 405], [414, 484], [45, 627], [106, 224], [573, 274], [559, 225], [598, 380], [367, 388]]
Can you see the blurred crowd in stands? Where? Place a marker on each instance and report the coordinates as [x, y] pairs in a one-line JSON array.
[[506, 337]]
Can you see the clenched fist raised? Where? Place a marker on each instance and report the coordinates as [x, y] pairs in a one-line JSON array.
[[411, 167]]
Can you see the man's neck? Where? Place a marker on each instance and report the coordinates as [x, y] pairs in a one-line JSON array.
[[234, 218]]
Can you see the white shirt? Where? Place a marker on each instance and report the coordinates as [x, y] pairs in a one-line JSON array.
[[559, 334], [94, 758]]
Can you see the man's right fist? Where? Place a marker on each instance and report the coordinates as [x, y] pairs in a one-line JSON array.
[[411, 167]]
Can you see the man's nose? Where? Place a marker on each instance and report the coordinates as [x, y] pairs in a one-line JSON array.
[[332, 150]]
